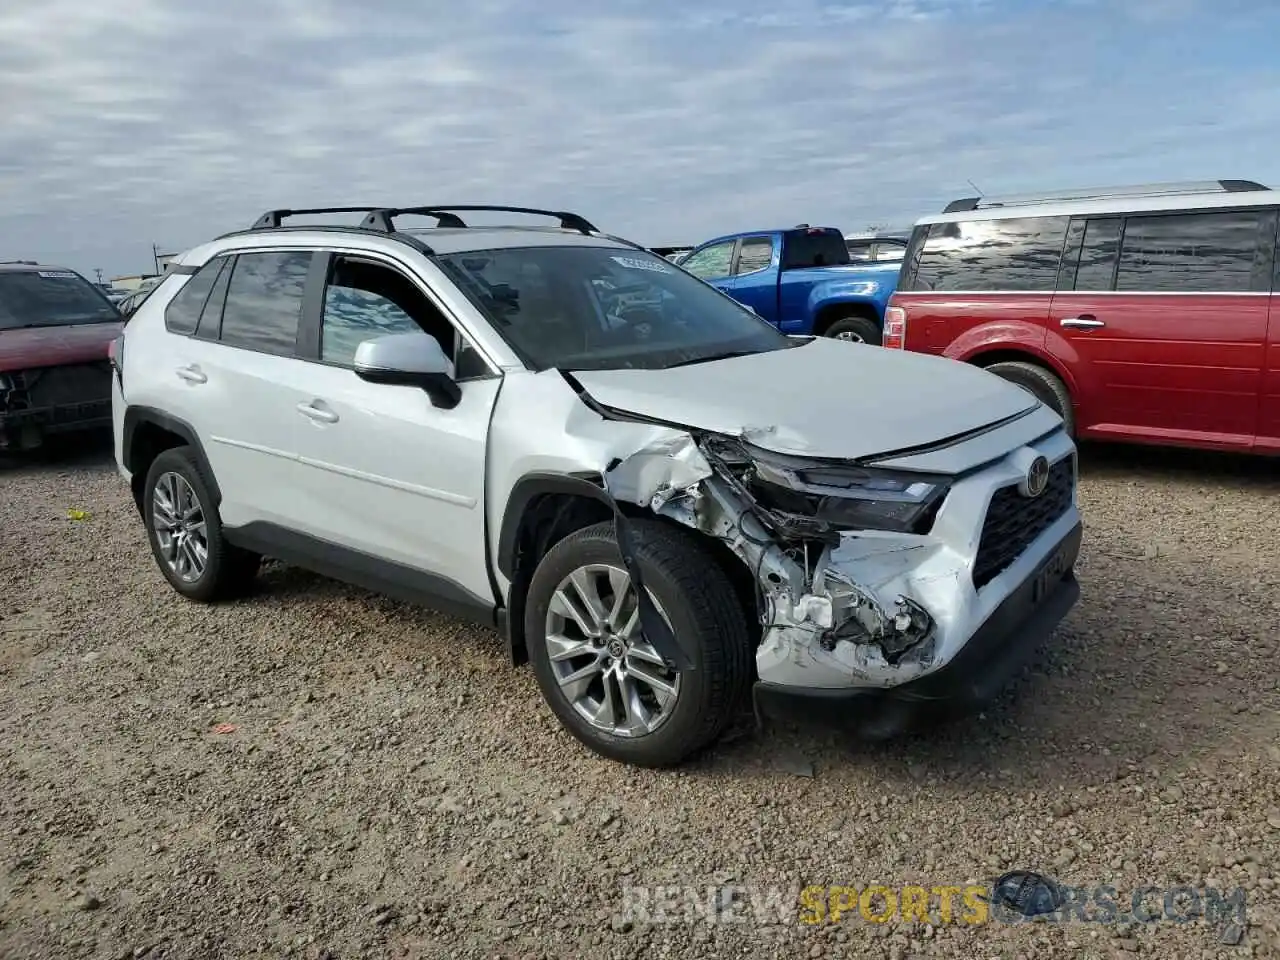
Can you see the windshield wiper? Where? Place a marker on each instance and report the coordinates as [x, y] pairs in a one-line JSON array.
[[710, 357]]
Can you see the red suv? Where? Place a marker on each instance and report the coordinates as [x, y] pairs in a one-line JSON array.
[[1143, 314], [55, 375]]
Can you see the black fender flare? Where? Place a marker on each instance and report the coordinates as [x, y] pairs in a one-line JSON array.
[[527, 489], [537, 484], [136, 416]]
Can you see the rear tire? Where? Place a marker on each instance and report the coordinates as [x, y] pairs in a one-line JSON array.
[[185, 531], [855, 329], [1044, 385], [698, 600]]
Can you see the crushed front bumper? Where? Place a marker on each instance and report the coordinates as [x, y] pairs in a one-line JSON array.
[[1006, 640], [62, 399], [25, 429]]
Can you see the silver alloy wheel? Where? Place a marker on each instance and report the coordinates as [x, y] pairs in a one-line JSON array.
[[606, 670], [851, 336], [178, 521]]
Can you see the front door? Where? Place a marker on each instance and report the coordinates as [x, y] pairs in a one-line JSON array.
[[386, 473]]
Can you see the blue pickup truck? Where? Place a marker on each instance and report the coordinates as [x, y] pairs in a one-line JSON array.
[[800, 279]]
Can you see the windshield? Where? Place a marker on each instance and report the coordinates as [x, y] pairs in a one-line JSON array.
[[51, 298], [594, 308]]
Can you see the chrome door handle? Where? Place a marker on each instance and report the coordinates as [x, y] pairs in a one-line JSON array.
[[1085, 322], [319, 414], [192, 374]]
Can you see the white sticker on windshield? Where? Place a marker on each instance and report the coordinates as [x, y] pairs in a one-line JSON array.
[[56, 274], [634, 263]]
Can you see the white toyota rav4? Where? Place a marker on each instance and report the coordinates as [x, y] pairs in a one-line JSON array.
[[660, 501]]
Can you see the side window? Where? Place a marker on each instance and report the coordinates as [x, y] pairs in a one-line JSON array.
[[357, 307], [365, 299], [983, 255], [211, 319], [756, 253], [264, 301], [711, 262], [860, 250], [182, 313], [1098, 252], [1194, 253]]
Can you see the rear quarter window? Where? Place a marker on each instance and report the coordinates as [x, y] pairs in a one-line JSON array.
[[1019, 254]]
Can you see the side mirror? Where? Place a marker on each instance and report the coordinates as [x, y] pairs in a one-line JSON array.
[[409, 360]]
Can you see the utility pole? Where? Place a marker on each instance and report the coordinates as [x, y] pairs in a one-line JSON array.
[[155, 257], [98, 271]]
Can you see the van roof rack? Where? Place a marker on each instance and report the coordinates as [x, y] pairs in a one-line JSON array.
[[382, 218], [1179, 188]]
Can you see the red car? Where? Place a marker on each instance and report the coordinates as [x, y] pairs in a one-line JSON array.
[[1144, 314], [55, 376]]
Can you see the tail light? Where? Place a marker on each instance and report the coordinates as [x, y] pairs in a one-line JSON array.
[[115, 353], [895, 328]]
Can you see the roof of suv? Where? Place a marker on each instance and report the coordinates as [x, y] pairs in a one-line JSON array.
[[1161, 200], [451, 235], [30, 266]]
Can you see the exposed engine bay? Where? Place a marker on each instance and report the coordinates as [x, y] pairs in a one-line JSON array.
[[836, 550]]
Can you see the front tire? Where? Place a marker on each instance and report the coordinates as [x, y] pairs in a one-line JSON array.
[[856, 330], [185, 531], [602, 680]]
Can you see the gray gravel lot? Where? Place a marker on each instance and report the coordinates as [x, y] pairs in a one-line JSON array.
[[392, 788]]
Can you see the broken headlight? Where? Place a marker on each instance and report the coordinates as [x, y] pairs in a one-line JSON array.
[[849, 497]]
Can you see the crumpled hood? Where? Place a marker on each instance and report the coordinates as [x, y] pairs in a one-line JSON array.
[[52, 346], [825, 398]]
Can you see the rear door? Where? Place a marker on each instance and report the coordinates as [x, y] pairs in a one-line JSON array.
[[241, 371], [1161, 320]]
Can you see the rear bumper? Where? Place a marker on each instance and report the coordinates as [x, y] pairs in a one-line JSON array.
[[1009, 638]]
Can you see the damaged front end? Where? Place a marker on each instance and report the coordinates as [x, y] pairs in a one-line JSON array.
[[835, 549]]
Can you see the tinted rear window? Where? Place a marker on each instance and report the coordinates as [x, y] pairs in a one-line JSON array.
[[51, 298], [813, 248], [983, 255]]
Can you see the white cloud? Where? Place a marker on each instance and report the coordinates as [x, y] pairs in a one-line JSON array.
[[668, 122]]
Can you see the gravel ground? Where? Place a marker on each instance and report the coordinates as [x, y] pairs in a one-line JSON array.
[[319, 772]]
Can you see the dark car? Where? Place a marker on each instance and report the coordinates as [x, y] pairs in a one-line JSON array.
[[55, 375]]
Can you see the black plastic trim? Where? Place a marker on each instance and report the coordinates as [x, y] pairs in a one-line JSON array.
[[360, 569], [135, 416], [307, 343], [183, 269], [528, 488]]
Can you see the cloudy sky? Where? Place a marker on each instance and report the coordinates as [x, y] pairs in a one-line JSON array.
[[138, 121]]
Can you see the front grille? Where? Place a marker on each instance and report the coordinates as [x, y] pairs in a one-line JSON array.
[[1013, 521], [69, 385]]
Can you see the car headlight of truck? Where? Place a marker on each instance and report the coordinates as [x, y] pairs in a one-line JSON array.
[[848, 497]]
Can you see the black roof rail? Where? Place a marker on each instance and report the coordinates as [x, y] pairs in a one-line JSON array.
[[273, 218], [406, 238], [1180, 188], [445, 215]]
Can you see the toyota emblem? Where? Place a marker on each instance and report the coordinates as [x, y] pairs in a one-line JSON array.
[[1037, 478]]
